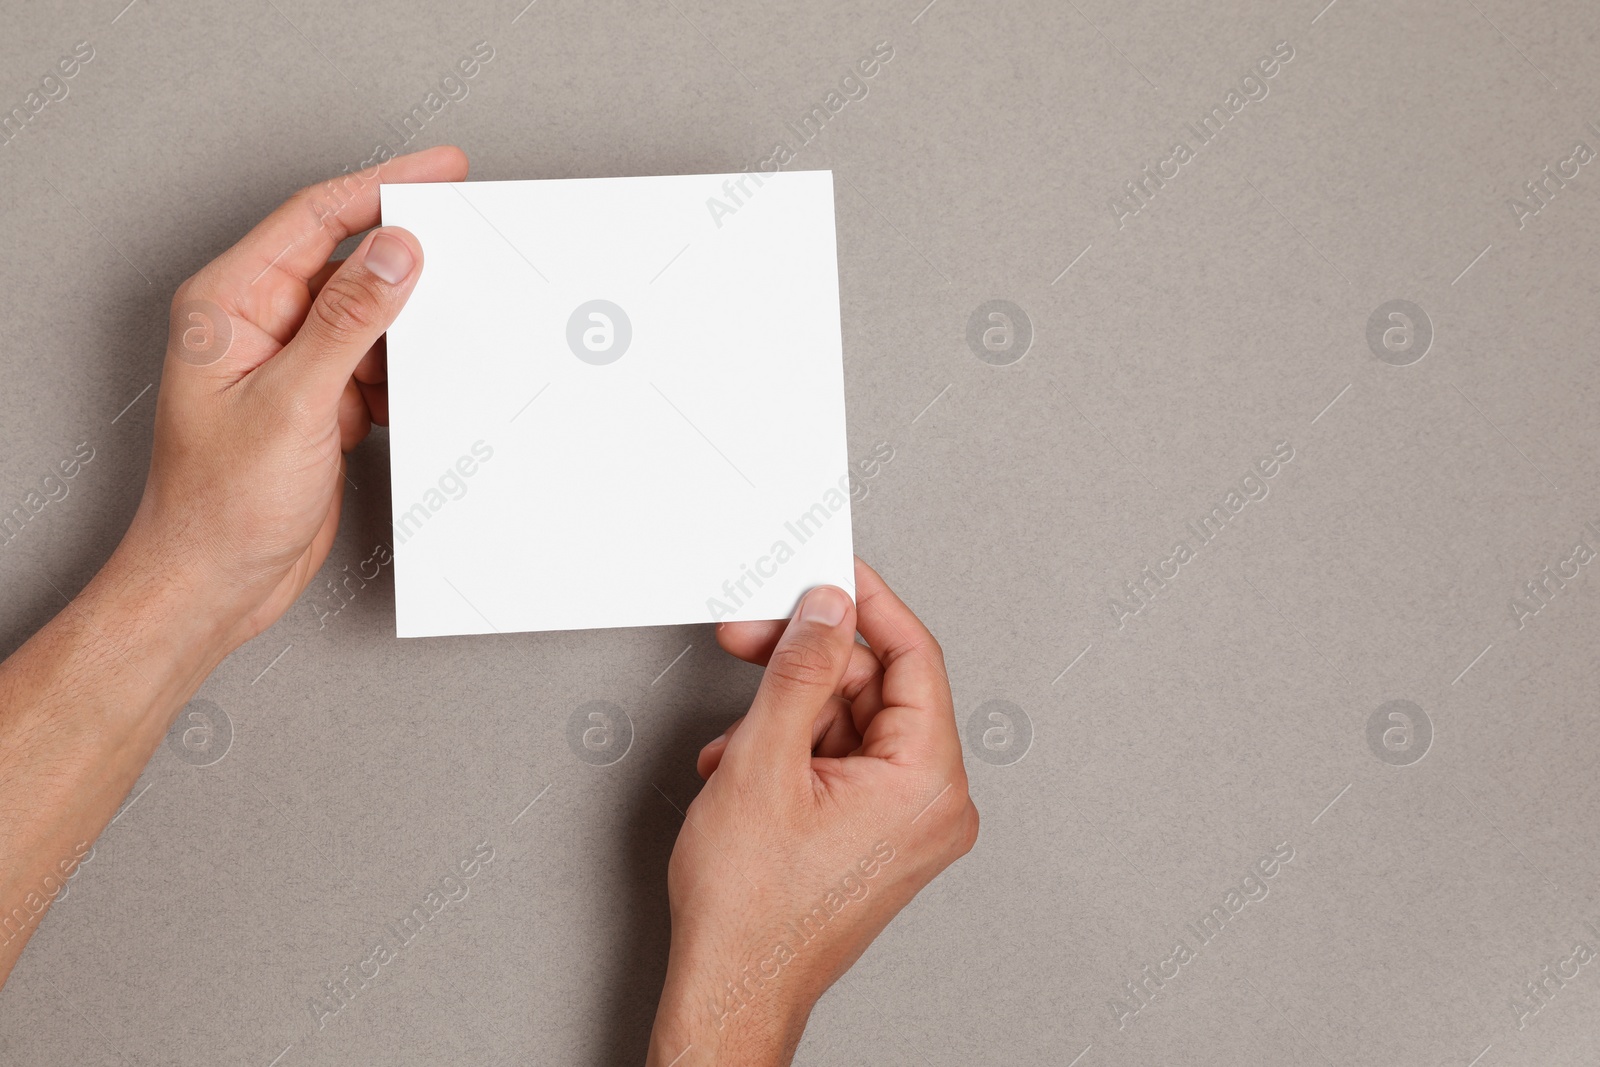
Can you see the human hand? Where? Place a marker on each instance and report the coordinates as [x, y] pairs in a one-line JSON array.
[[826, 809], [274, 369]]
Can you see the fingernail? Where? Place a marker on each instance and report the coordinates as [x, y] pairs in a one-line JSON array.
[[826, 605], [389, 258]]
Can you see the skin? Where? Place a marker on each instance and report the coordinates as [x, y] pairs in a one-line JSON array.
[[849, 752]]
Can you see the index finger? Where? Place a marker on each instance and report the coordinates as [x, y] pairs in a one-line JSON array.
[[914, 674], [299, 236]]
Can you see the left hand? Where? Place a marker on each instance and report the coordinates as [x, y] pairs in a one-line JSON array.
[[274, 369], [272, 373]]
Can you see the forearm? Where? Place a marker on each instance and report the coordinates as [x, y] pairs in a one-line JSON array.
[[83, 705]]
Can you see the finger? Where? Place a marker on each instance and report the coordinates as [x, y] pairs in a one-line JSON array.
[[918, 718], [753, 642], [298, 237], [315, 283], [833, 734], [265, 279], [802, 674], [313, 287], [865, 704], [913, 662], [374, 366], [711, 755], [377, 398], [349, 315], [862, 684], [355, 419], [838, 735]]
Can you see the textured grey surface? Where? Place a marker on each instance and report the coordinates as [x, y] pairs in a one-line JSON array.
[[1169, 753]]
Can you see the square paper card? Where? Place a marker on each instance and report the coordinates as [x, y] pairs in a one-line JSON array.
[[617, 402]]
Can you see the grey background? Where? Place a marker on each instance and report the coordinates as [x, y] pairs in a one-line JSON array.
[[1227, 316]]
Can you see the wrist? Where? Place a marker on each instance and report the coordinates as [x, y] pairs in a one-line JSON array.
[[725, 1015], [152, 622], [153, 571]]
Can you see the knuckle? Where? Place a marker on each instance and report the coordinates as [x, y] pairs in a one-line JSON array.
[[802, 662], [323, 208], [186, 292], [345, 309], [304, 198], [967, 829]]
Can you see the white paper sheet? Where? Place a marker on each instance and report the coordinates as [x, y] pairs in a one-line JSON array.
[[617, 402]]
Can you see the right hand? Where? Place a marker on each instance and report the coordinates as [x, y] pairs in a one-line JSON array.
[[827, 808]]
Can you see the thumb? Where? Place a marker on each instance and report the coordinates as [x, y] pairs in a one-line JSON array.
[[353, 309], [805, 670]]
